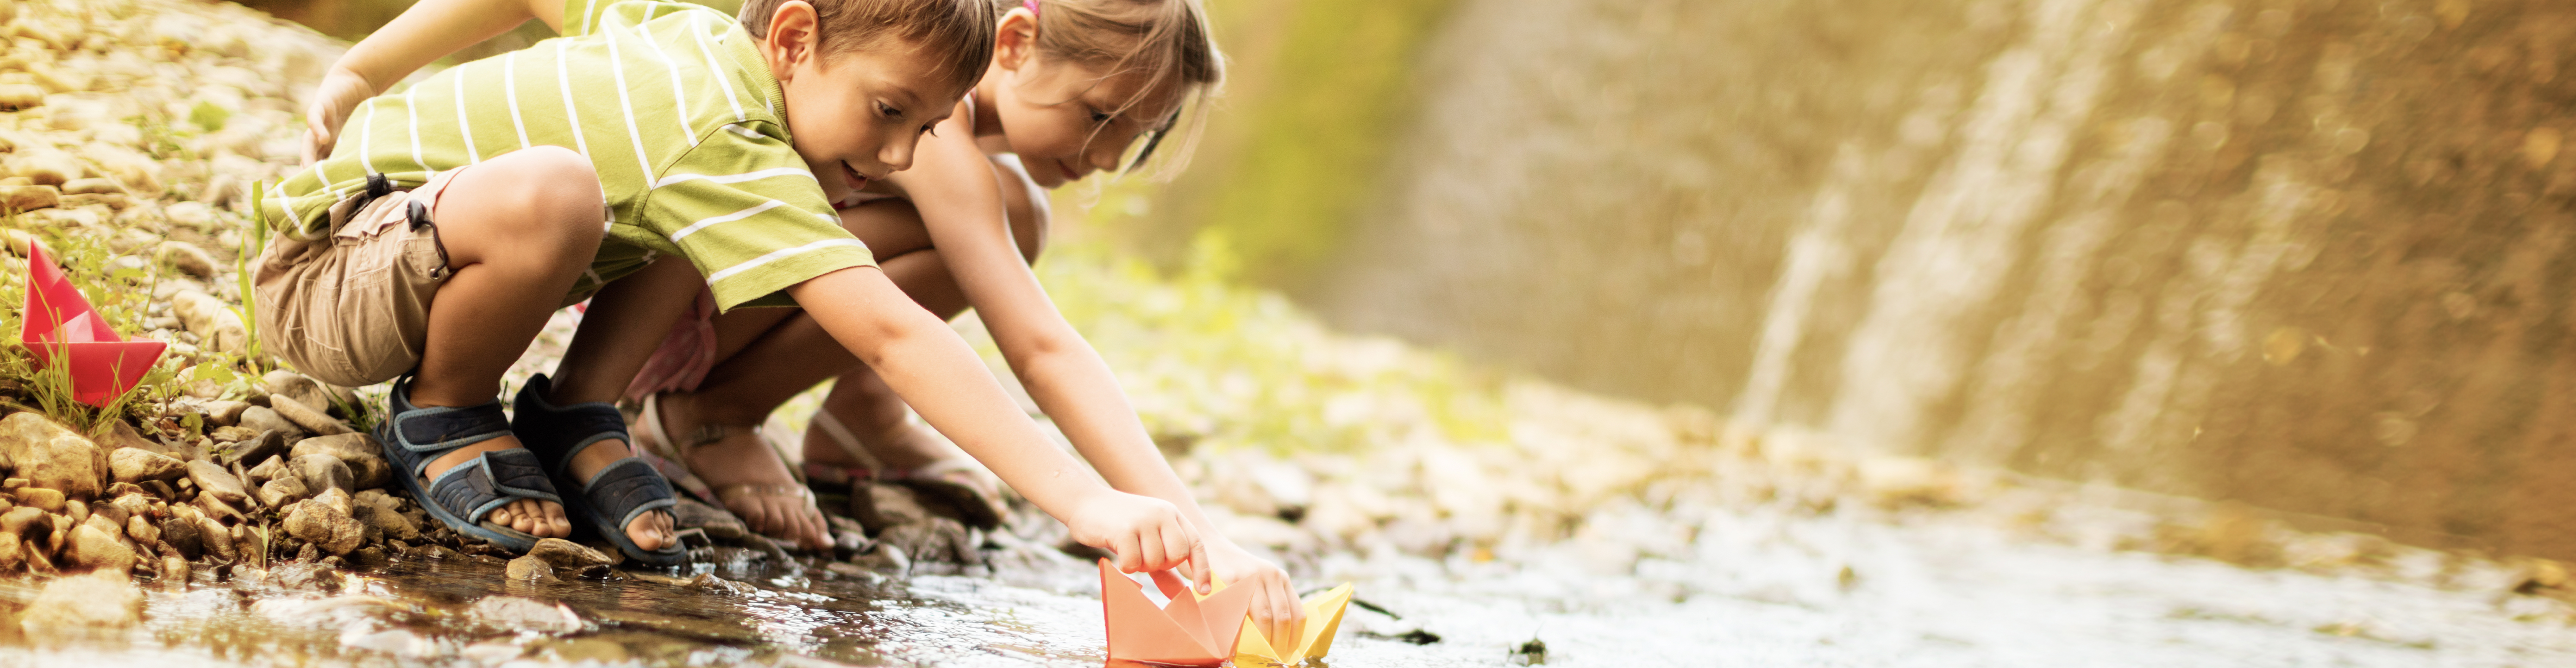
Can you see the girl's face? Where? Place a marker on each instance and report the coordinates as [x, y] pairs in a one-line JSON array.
[[1064, 119]]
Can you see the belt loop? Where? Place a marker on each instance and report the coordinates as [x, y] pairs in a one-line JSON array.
[[377, 186]]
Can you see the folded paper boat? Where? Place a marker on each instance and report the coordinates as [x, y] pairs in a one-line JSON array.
[[1192, 630], [1323, 619], [61, 328]]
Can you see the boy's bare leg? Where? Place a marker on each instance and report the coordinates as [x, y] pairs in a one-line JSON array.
[[626, 321], [517, 230]]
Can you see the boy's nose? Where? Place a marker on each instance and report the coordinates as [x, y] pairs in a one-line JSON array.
[[897, 155]]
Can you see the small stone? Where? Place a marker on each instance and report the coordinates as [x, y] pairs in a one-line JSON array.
[[29, 197], [250, 543], [360, 452], [233, 433], [314, 420], [90, 186], [271, 469], [321, 472], [53, 456], [225, 413], [11, 553], [212, 480], [262, 418], [137, 465], [391, 524], [218, 540], [325, 526], [531, 569], [257, 449], [212, 320], [26, 521], [184, 535], [294, 385], [141, 530], [133, 503], [304, 574], [937, 539], [562, 553], [187, 258], [689, 513], [515, 613], [48, 500], [161, 489], [338, 500], [283, 491], [76, 509], [96, 549], [121, 434], [20, 97], [174, 572], [100, 600]]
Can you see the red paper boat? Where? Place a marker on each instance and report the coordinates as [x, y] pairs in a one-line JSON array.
[[103, 365], [1193, 630]]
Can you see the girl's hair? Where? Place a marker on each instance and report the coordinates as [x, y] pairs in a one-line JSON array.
[[1169, 41], [956, 33]]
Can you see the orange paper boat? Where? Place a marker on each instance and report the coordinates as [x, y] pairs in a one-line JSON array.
[[62, 328], [1193, 630]]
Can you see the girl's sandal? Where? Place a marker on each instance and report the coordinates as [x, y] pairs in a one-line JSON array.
[[611, 499], [960, 482], [671, 456], [462, 496]]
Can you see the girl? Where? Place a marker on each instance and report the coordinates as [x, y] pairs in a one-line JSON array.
[[1075, 87]]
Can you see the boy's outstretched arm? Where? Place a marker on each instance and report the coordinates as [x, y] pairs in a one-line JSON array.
[[943, 380], [428, 31]]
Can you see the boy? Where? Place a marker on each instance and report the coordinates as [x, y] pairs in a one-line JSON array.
[[657, 144]]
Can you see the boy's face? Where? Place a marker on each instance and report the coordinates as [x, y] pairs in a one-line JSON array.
[[1064, 120], [856, 115]]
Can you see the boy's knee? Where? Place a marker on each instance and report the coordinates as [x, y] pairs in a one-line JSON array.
[[553, 183]]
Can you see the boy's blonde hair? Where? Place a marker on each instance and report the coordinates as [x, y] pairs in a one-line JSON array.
[[956, 33], [1168, 40]]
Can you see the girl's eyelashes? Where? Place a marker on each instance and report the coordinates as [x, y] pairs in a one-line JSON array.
[[888, 110]]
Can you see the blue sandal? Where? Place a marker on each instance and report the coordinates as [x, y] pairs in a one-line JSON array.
[[464, 495], [620, 493]]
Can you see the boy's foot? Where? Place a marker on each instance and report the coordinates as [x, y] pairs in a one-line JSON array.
[[535, 517], [650, 531], [736, 466]]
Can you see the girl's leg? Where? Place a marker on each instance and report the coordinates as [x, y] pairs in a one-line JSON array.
[[517, 229]]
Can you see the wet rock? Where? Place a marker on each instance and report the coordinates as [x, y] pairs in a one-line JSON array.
[[185, 536], [101, 600], [364, 457], [250, 544], [265, 419], [710, 583], [48, 500], [531, 569], [886, 557], [887, 505], [515, 613], [29, 197], [936, 539], [566, 554], [312, 420], [386, 521], [95, 549], [690, 513], [187, 258], [324, 472], [282, 491], [218, 540], [174, 572], [212, 320], [304, 575], [52, 456], [327, 527], [137, 465], [213, 481]]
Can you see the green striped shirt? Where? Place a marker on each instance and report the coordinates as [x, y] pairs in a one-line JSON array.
[[672, 105]]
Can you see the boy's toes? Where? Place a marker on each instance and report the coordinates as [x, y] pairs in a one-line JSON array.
[[556, 524], [650, 531]]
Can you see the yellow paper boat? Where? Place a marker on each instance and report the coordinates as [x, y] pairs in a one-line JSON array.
[[1323, 618]]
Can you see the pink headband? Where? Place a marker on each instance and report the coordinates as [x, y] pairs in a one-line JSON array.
[[1031, 4]]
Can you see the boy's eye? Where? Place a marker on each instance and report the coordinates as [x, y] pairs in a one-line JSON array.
[[931, 129]]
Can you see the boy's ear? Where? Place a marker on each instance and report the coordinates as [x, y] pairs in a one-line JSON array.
[[1016, 40], [795, 35]]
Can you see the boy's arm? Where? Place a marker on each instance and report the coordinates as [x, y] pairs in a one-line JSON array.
[[428, 31], [959, 195], [943, 380]]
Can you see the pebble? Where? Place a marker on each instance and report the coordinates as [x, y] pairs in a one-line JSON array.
[[19, 97], [97, 549], [213, 481], [530, 569], [218, 541], [213, 321], [313, 420], [562, 553], [359, 451], [102, 600], [29, 197], [136, 465], [303, 389], [11, 552], [225, 413], [277, 493], [185, 536], [324, 472], [187, 258], [271, 469], [46, 499], [52, 456], [261, 447], [262, 418]]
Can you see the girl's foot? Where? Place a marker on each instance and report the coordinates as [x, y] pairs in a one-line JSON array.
[[736, 467], [899, 450]]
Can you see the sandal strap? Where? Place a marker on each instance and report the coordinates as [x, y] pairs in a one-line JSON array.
[[627, 489], [426, 433], [559, 432], [491, 480], [765, 489]]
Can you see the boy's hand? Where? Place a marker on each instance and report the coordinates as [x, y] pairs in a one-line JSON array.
[[1275, 608], [1146, 533], [339, 94]]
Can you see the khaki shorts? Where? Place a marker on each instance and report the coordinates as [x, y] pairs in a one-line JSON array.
[[352, 308]]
